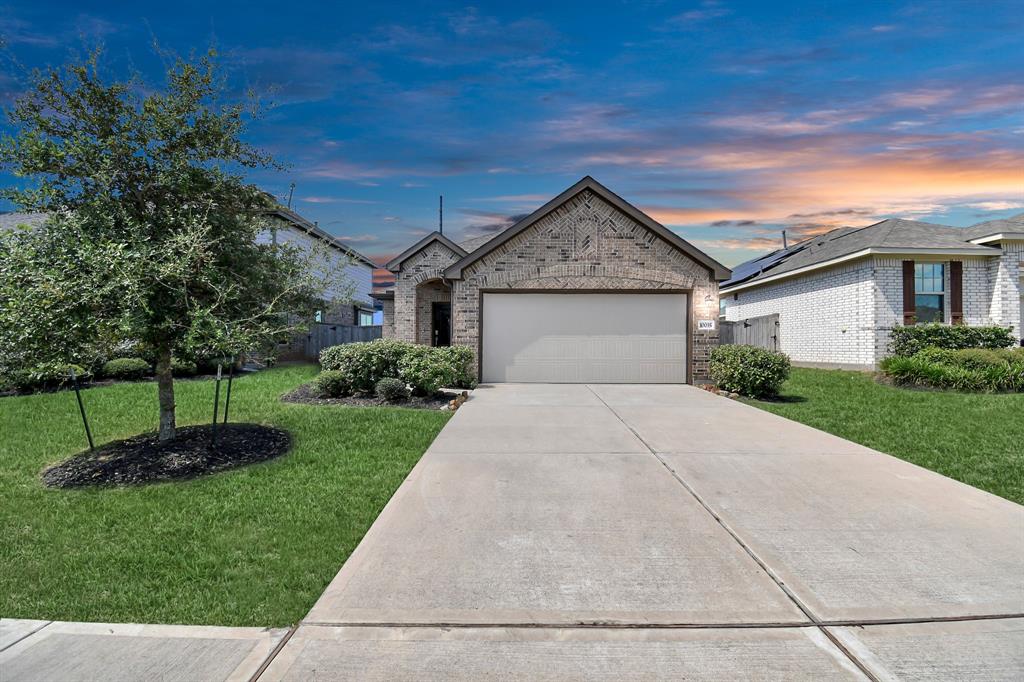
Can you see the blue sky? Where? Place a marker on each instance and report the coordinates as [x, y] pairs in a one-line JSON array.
[[727, 121]]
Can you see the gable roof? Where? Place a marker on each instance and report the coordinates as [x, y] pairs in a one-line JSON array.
[[395, 264], [313, 229], [471, 244], [1012, 225], [720, 271], [894, 235]]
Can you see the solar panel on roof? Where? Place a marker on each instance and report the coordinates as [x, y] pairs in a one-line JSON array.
[[751, 268]]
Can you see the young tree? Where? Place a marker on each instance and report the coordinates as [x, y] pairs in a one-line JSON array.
[[153, 230]]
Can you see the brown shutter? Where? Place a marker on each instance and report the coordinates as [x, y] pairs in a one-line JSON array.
[[956, 291], [909, 306]]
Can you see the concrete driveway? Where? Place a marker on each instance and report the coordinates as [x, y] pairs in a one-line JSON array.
[[616, 531]]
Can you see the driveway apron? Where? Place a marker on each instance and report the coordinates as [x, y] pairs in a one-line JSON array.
[[651, 532]]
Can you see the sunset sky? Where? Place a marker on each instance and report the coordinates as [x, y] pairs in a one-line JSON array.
[[727, 121]]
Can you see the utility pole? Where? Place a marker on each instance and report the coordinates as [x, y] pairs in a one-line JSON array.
[[440, 214]]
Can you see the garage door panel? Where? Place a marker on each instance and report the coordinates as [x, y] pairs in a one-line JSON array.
[[574, 338]]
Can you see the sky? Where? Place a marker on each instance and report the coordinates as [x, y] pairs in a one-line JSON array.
[[727, 121]]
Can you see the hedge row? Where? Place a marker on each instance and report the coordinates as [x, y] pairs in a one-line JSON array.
[[359, 367], [907, 341]]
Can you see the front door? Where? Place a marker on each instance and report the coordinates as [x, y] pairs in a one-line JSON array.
[[441, 334]]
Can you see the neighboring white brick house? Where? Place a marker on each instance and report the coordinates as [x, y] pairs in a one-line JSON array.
[[838, 296], [348, 294]]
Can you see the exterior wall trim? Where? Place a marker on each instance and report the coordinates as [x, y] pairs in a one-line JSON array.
[[876, 250], [569, 292]]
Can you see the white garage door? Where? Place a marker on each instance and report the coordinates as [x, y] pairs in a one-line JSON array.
[[577, 338]]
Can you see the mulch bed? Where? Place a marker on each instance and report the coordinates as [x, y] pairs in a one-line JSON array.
[[144, 459], [304, 395]]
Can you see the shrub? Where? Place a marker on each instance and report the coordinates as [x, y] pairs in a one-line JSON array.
[[331, 384], [425, 368], [180, 367], [128, 369], [392, 389], [971, 369], [906, 341], [460, 358], [749, 370], [48, 376], [364, 364]]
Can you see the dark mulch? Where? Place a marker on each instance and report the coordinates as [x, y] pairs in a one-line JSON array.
[[304, 394], [144, 459]]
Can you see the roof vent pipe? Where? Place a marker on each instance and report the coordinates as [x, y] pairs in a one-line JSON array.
[[784, 244]]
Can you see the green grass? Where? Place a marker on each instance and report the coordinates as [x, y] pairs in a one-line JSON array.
[[972, 437], [253, 546]]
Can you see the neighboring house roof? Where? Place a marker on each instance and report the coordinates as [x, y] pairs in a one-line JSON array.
[[9, 221], [471, 244], [395, 264], [996, 229], [889, 236], [588, 183], [315, 230]]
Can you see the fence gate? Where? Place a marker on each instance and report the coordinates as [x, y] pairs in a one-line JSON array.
[[762, 332], [322, 335]]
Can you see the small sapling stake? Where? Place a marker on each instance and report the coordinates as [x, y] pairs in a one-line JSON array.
[[227, 398], [81, 408], [216, 404]]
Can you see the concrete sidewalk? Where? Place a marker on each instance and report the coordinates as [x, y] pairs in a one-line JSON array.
[[44, 651]]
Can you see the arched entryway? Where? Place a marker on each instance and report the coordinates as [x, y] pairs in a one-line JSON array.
[[434, 313]]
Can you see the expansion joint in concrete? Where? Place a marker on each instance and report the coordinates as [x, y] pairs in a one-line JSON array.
[[746, 548]]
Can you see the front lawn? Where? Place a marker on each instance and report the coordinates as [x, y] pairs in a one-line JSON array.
[[252, 546], [974, 438]]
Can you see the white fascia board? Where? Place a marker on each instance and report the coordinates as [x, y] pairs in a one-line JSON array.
[[875, 250], [1001, 237]]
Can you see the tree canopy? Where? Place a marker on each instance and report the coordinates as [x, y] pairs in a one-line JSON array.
[[153, 234]]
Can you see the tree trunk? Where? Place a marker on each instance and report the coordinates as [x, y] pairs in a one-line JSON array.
[[165, 393]]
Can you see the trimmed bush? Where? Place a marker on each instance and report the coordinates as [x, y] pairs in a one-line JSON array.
[[392, 390], [181, 367], [126, 369], [971, 369], [907, 341], [364, 364], [331, 384], [460, 358], [48, 377], [424, 368], [749, 370]]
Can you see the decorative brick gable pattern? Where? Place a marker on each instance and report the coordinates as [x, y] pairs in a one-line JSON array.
[[428, 264], [588, 244]]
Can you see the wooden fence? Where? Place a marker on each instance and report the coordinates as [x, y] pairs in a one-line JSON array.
[[756, 331], [322, 336]]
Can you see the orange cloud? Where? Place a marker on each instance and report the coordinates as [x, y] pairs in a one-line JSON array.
[[829, 184]]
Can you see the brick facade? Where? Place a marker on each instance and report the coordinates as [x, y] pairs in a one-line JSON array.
[[422, 268], [586, 243]]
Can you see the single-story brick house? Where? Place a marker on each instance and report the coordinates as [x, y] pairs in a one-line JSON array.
[[839, 295], [587, 288]]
